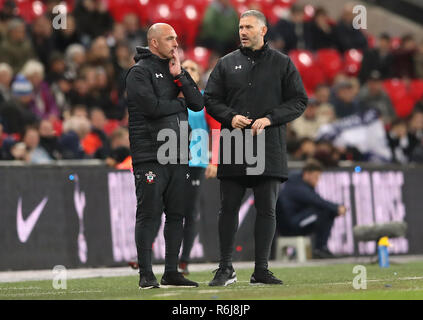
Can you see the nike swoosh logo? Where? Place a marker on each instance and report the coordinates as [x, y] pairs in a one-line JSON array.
[[25, 226]]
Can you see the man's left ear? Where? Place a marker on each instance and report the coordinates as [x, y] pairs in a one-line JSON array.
[[263, 31]]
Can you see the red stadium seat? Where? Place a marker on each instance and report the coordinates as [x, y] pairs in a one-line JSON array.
[[276, 12], [191, 20], [400, 96], [164, 12], [200, 55], [371, 40], [29, 9], [330, 61], [143, 9], [416, 89], [352, 61], [310, 72]]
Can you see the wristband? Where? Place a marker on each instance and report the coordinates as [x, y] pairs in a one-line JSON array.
[[176, 79]]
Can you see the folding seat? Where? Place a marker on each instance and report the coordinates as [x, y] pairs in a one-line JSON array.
[[200, 55], [400, 96], [352, 61], [416, 89], [310, 72], [191, 22], [330, 61], [29, 9], [120, 8]]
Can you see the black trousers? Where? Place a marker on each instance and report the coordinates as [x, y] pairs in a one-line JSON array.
[[159, 188], [311, 221], [232, 192], [192, 201]]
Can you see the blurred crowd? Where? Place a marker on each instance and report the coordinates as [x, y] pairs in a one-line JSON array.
[[62, 90]]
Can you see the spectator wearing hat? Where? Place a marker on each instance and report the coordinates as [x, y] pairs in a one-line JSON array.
[[16, 112], [16, 48], [372, 95]]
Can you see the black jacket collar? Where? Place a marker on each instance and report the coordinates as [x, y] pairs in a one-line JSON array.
[[145, 53], [254, 54]]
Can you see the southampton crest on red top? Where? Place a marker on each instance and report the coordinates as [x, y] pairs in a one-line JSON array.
[[150, 177]]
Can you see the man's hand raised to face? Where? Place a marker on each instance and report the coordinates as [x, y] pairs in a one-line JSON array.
[[259, 125], [175, 64], [240, 122]]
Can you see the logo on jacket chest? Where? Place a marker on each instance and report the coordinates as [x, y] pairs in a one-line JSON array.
[[238, 67], [159, 75]]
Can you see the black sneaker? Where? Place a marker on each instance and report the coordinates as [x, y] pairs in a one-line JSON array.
[[223, 277], [264, 277], [148, 281], [176, 279]]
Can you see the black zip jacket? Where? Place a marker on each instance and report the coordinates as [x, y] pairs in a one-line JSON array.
[[153, 105], [256, 84]]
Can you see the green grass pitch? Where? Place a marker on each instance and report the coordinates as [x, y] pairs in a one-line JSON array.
[[400, 281]]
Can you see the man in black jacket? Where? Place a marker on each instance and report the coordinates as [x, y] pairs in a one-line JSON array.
[[253, 91], [158, 94], [300, 210]]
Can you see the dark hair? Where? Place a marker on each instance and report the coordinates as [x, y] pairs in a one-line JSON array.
[[297, 8], [398, 122], [320, 11], [407, 37], [385, 36], [312, 165]]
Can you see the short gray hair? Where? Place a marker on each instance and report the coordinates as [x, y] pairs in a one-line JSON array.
[[255, 13]]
